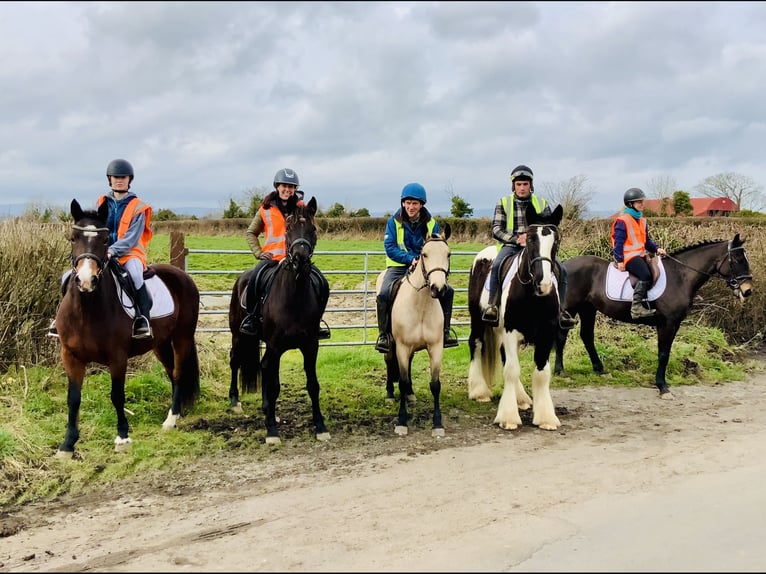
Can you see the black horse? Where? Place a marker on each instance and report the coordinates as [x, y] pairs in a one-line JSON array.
[[94, 325], [295, 300], [687, 270], [529, 314]]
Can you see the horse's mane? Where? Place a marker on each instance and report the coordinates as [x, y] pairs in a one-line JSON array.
[[90, 216], [696, 245]]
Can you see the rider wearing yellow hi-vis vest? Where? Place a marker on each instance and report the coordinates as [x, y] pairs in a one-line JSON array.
[[509, 226], [406, 232]]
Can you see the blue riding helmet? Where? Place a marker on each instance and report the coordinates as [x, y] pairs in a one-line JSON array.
[[414, 191]]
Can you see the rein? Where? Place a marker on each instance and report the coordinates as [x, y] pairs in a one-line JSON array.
[[732, 281]]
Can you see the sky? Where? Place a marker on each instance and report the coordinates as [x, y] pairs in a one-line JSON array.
[[208, 100]]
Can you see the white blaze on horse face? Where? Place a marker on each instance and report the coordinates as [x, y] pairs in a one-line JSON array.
[[547, 243], [87, 268]]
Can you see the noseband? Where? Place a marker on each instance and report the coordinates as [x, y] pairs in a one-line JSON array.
[[100, 263], [733, 281], [532, 260], [427, 274]]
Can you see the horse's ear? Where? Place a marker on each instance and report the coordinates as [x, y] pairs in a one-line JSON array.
[[447, 231], [103, 211], [531, 215], [75, 210], [312, 205], [558, 215], [736, 242]]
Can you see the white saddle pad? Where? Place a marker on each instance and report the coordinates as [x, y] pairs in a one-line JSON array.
[[162, 300], [618, 287]]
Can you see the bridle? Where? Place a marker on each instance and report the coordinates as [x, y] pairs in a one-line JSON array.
[[427, 274], [734, 282], [530, 261], [100, 263], [291, 259]]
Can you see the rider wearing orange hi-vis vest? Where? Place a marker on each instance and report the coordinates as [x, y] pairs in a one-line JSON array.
[[630, 242], [128, 221]]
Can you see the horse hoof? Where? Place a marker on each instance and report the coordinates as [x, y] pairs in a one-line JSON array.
[[437, 433], [507, 425], [667, 396], [323, 436], [400, 430], [64, 454], [237, 409], [273, 440], [411, 400], [122, 444]]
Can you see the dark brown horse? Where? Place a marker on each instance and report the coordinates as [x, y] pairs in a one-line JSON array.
[[294, 303], [95, 325], [529, 313], [687, 270]]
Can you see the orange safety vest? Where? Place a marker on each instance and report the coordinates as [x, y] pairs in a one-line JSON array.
[[134, 207], [635, 242], [274, 231]]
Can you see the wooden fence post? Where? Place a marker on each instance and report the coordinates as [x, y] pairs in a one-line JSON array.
[[178, 250]]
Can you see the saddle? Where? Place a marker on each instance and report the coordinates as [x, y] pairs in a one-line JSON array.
[[654, 267], [620, 284]]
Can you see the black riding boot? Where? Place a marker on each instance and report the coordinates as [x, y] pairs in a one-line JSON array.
[[637, 309], [142, 327], [491, 314], [383, 344], [52, 330], [450, 338], [566, 321], [249, 324]]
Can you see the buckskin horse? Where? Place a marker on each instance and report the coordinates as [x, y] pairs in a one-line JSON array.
[[291, 312], [94, 322], [417, 323], [684, 272], [529, 311]]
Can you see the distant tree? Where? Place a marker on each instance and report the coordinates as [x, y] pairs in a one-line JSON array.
[[234, 211], [254, 198], [747, 213], [164, 215], [337, 210], [460, 207], [572, 194], [44, 213], [739, 188], [661, 187], [363, 212], [682, 203]]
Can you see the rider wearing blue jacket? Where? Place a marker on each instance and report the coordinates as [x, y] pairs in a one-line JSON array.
[[406, 232]]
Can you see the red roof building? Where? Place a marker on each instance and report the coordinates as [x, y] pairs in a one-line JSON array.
[[701, 206]]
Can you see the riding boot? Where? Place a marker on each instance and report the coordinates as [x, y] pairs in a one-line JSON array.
[[324, 330], [383, 344], [249, 324], [52, 330], [142, 327], [491, 314], [566, 321], [637, 309], [450, 337]]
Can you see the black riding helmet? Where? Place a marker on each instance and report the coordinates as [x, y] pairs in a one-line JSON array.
[[633, 194], [119, 167], [287, 176], [523, 173]]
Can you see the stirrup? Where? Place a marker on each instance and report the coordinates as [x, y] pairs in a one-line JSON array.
[[248, 326], [383, 344], [450, 339], [324, 331], [566, 321], [52, 331], [141, 328], [490, 316]]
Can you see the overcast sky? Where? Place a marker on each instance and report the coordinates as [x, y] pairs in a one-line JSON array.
[[208, 100]]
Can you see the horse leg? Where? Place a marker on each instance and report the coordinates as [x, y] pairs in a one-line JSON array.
[[507, 409], [544, 413], [587, 336], [666, 334], [404, 358], [435, 355], [75, 374], [270, 394], [481, 369], [117, 371], [409, 390], [235, 405], [166, 356], [561, 343], [392, 371], [310, 352]]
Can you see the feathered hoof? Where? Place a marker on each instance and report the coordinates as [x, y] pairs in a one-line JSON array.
[[323, 436], [437, 433], [400, 430], [273, 440], [64, 454], [122, 444]]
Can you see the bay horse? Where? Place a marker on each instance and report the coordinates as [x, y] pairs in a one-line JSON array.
[[685, 272], [417, 323], [292, 308], [95, 324], [529, 311]]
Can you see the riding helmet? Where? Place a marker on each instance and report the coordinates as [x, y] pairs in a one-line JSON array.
[[119, 167], [633, 194], [287, 176], [414, 191], [523, 173]]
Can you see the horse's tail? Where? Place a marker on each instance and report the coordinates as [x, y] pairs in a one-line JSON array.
[[250, 369], [188, 381]]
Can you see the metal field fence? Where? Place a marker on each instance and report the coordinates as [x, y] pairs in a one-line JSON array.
[[351, 310]]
